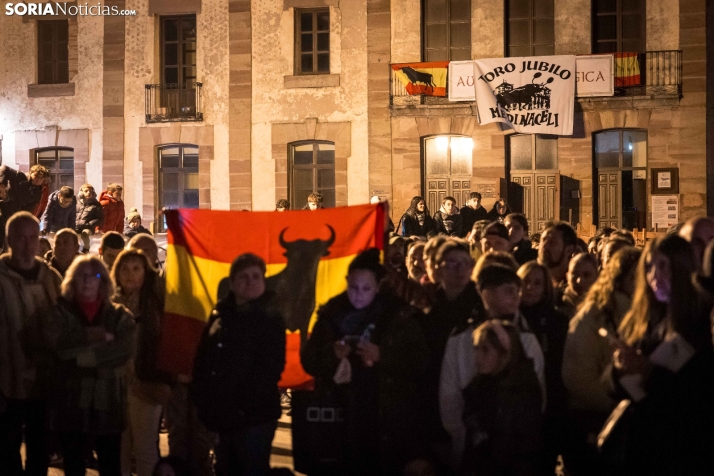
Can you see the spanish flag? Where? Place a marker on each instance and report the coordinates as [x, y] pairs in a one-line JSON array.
[[428, 79], [627, 69], [307, 255]]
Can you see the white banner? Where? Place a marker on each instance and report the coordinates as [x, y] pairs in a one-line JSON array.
[[531, 95], [461, 81], [594, 75]]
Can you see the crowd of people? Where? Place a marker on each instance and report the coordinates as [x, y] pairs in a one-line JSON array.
[[470, 347]]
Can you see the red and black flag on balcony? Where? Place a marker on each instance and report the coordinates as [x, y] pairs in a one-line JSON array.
[[428, 79]]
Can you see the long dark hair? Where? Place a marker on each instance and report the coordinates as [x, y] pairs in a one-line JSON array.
[[150, 292], [684, 313], [412, 210]]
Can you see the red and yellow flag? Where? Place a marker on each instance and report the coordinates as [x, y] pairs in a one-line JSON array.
[[307, 254], [428, 79]]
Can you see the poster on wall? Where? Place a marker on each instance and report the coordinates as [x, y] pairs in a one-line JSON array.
[[531, 95], [594, 75], [461, 81], [665, 210]]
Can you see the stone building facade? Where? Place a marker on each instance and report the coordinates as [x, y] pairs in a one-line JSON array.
[[244, 123]]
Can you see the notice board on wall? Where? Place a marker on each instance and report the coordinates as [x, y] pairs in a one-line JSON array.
[[665, 210]]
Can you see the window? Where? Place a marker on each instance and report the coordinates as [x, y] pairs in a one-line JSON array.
[[530, 28], [448, 166], [446, 30], [312, 41], [532, 169], [60, 162], [620, 158], [533, 152], [52, 51], [178, 51], [312, 171], [178, 176], [618, 26]]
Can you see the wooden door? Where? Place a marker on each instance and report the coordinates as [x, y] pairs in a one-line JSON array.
[[609, 199], [540, 200], [439, 187]]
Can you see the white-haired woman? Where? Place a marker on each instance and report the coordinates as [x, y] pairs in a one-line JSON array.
[[92, 340]]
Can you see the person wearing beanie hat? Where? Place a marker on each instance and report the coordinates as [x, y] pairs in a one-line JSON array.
[[132, 224], [495, 238], [368, 347]]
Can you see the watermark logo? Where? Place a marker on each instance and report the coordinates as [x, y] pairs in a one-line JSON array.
[[65, 9]]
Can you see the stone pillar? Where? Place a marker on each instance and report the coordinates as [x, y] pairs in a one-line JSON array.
[[113, 98]]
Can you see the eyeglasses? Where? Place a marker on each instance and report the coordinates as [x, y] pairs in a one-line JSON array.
[[454, 265], [88, 276]]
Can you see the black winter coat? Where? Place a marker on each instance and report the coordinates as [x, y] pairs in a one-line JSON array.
[[57, 217], [503, 423], [409, 226], [90, 215], [450, 225], [384, 409], [524, 252], [22, 195], [471, 216], [238, 364]]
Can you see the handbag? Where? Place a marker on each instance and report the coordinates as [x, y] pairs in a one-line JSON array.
[[611, 441], [318, 431]]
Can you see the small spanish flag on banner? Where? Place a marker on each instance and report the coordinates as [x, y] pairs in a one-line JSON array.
[[423, 78], [307, 255]]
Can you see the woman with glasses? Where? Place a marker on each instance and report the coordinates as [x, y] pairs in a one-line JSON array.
[[92, 340]]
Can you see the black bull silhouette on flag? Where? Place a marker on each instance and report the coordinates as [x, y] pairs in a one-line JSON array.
[[295, 284]]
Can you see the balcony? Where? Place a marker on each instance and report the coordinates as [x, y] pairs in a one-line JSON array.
[[173, 103], [654, 73]]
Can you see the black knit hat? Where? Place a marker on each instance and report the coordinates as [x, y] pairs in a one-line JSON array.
[[368, 260], [495, 275]]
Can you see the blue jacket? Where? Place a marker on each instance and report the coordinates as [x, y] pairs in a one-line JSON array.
[[56, 216]]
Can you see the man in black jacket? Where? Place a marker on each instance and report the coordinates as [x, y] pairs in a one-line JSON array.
[[472, 212], [236, 371], [90, 214]]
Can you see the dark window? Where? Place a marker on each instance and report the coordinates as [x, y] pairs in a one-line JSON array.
[[618, 26], [530, 28], [312, 170], [446, 34], [533, 152], [312, 41], [52, 51], [178, 176], [178, 51], [60, 162]]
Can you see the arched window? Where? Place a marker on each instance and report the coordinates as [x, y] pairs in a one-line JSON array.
[[312, 170], [60, 162], [448, 169], [620, 181]]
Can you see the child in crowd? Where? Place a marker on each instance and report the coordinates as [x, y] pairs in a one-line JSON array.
[[132, 224]]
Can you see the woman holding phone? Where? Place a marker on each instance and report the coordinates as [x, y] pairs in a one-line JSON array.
[[368, 346], [666, 346]]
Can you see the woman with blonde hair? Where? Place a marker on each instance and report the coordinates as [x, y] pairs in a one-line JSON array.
[[137, 288], [92, 340], [665, 346], [588, 355]]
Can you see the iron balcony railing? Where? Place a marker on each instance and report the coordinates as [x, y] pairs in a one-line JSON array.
[[173, 102], [654, 73]]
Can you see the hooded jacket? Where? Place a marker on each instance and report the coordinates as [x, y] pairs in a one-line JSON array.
[[493, 215], [56, 217], [113, 213], [449, 224], [471, 216], [90, 215]]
